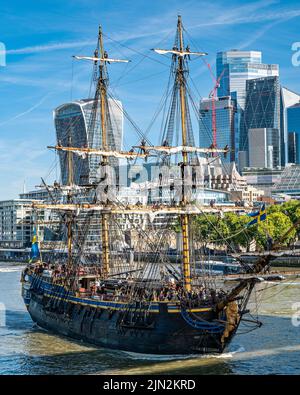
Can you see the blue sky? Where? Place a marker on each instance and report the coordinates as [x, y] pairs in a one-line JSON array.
[[41, 36]]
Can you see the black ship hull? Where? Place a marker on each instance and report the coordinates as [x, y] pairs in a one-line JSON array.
[[163, 331]]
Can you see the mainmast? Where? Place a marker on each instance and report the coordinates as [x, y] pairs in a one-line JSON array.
[[179, 55], [184, 218]]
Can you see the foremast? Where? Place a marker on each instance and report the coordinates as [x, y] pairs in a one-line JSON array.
[[101, 93]]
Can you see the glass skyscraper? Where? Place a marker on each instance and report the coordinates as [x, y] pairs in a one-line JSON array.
[[293, 118], [76, 120], [292, 148], [262, 110], [287, 99], [238, 67], [225, 123]]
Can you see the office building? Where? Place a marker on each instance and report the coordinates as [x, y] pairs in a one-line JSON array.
[[264, 148], [262, 110], [225, 110], [293, 122], [262, 178], [78, 123], [293, 151], [236, 67], [288, 98]]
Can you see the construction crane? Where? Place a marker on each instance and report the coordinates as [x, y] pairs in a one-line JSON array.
[[212, 96]]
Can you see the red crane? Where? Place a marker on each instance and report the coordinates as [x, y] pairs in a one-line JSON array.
[[212, 95]]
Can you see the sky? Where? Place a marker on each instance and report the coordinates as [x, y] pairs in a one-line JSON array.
[[38, 73]]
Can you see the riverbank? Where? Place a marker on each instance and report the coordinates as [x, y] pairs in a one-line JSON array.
[[288, 259]]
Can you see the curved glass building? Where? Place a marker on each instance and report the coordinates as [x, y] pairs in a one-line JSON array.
[[80, 122]]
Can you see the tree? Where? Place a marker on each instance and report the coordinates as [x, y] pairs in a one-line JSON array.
[[210, 228], [233, 230], [275, 226], [241, 235]]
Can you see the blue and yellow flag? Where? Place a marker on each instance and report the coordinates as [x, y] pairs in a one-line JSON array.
[[258, 216], [35, 251]]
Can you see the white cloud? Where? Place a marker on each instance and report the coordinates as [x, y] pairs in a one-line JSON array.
[[49, 47], [28, 111], [21, 159]]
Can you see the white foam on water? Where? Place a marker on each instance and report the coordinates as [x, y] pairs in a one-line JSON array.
[[163, 357], [11, 269], [230, 354]]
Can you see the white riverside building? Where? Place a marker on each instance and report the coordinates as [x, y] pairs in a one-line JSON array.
[[17, 216], [262, 178], [16, 223]]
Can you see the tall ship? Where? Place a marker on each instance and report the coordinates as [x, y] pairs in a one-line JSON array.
[[135, 299]]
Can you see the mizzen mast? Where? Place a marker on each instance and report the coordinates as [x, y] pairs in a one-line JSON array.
[[180, 55]]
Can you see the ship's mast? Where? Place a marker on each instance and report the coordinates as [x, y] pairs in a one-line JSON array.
[[180, 54], [184, 218], [103, 101], [101, 92], [70, 183]]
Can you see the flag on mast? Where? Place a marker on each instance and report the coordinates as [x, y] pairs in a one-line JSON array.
[[258, 216], [35, 251]]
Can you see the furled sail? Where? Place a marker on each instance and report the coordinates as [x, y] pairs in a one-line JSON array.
[[84, 152], [178, 53]]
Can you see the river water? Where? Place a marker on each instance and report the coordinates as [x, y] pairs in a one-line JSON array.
[[274, 348]]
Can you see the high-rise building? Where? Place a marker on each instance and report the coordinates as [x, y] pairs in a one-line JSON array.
[[225, 124], [79, 122], [264, 148], [236, 68], [240, 66], [287, 99], [293, 152], [262, 110], [293, 124]]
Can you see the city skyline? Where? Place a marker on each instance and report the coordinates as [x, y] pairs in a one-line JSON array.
[[40, 74]]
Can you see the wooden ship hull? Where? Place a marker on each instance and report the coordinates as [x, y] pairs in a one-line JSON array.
[[164, 328]]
